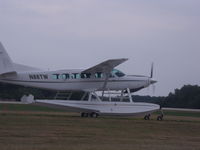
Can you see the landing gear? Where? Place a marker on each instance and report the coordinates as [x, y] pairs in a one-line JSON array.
[[147, 117], [160, 117], [83, 114], [92, 115]]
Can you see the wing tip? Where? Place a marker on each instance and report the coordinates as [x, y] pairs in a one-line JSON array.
[[117, 59]]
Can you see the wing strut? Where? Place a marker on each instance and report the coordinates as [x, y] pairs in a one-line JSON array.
[[105, 67], [105, 83]]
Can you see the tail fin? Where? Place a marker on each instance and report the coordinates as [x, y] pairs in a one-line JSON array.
[[6, 64]]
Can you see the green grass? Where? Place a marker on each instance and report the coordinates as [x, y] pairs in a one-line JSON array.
[[38, 128], [182, 113], [27, 107], [32, 107]]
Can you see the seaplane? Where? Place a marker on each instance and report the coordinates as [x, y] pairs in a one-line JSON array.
[[98, 84]]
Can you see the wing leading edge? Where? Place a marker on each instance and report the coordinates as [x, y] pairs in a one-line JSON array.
[[105, 66]]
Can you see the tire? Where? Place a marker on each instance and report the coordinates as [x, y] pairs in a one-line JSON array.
[[159, 118], [147, 117], [86, 114], [94, 115], [83, 114]]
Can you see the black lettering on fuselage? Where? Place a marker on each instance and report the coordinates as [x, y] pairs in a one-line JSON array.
[[31, 77], [38, 76], [45, 76]]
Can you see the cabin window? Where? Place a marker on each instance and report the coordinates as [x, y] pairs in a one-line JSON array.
[[55, 76], [85, 75], [99, 75], [65, 76], [75, 76]]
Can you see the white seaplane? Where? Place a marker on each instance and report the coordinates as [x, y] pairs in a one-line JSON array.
[[102, 77]]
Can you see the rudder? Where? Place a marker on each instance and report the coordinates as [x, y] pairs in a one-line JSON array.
[[6, 64]]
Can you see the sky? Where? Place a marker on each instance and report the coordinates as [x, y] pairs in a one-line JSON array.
[[72, 34]]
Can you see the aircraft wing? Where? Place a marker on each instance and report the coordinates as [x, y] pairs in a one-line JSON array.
[[105, 66]]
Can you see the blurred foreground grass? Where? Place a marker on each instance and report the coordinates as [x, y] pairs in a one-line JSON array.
[[28, 127]]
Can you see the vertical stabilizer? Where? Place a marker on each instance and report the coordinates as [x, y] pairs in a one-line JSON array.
[[6, 64]]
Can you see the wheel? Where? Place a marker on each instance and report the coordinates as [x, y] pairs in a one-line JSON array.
[[94, 115], [83, 114], [160, 118], [147, 117]]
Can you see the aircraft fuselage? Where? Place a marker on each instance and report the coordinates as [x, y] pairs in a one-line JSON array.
[[74, 80]]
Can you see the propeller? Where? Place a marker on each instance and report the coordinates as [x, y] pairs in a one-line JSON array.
[[152, 66], [153, 89], [151, 80]]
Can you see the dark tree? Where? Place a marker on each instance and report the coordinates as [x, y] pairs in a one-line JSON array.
[[186, 97]]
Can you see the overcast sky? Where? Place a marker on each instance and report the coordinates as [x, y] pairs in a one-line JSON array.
[[66, 34]]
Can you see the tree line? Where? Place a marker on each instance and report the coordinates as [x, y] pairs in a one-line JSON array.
[[186, 97], [15, 92]]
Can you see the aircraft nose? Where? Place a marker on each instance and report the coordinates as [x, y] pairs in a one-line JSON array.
[[152, 81]]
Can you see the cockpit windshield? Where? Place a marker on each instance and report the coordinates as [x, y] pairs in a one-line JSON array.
[[117, 73]]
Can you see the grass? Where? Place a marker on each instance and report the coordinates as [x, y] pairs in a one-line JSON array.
[[25, 107], [180, 113], [40, 129]]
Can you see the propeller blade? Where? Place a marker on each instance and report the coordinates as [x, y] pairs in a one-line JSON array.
[[154, 88], [152, 65]]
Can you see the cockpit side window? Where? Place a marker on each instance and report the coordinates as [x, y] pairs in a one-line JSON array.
[[118, 73]]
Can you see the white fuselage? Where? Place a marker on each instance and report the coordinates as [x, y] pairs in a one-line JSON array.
[[57, 80]]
